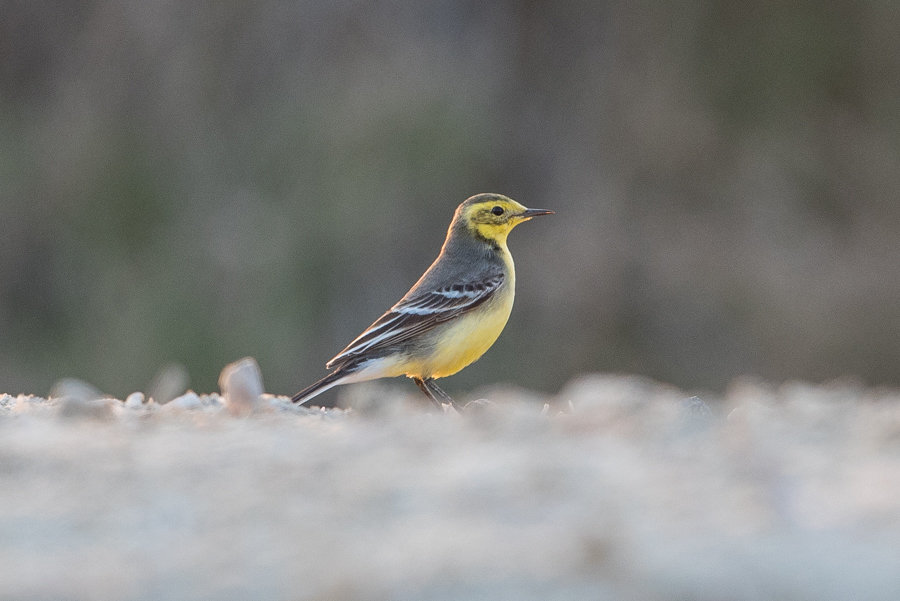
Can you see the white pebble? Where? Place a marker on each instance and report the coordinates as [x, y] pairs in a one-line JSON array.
[[100, 409], [170, 382], [134, 400], [74, 388], [241, 385], [188, 401]]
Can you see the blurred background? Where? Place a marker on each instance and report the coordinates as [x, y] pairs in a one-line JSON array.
[[191, 183]]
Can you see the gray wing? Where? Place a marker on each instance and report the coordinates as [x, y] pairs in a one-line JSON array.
[[418, 312]]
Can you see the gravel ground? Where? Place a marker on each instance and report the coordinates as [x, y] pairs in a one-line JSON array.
[[616, 488]]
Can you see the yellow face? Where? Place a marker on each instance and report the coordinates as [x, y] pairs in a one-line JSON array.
[[492, 216]]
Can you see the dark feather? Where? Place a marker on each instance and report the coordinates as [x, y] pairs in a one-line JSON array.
[[420, 311]]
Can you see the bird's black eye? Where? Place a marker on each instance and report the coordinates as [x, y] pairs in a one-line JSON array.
[[498, 210]]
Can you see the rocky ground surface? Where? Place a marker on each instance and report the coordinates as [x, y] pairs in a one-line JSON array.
[[615, 488]]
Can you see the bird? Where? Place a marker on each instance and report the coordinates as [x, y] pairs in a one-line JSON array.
[[451, 316]]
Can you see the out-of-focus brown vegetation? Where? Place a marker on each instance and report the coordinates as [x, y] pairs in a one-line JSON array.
[[195, 183]]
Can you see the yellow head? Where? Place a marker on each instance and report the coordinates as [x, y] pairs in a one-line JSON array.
[[492, 216]]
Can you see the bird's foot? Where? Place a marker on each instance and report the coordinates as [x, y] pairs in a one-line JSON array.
[[440, 398]]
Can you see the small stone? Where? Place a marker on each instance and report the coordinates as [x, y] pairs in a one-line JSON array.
[[695, 408], [7, 401], [99, 409], [479, 407], [134, 400], [75, 389], [241, 385], [188, 401], [170, 382], [26, 403]]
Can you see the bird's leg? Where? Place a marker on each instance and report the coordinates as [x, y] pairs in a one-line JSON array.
[[433, 392], [440, 394], [424, 388]]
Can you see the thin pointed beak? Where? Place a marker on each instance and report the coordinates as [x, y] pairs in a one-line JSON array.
[[529, 213]]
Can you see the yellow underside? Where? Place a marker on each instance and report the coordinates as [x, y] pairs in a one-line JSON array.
[[460, 342]]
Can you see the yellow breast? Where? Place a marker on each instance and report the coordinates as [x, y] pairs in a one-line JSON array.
[[465, 340], [462, 341]]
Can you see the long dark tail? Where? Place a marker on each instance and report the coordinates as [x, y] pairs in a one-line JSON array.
[[332, 379]]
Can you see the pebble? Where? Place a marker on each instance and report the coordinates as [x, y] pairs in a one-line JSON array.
[[241, 385], [188, 401], [99, 409], [134, 400], [74, 388], [170, 382]]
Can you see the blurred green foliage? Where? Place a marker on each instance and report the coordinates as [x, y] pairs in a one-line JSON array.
[[199, 182]]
